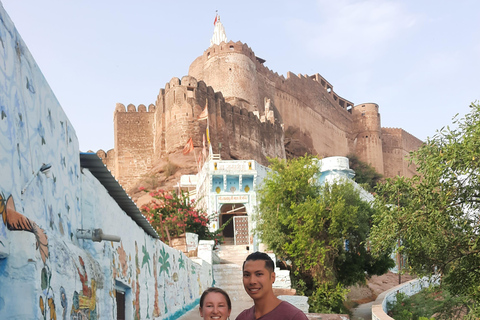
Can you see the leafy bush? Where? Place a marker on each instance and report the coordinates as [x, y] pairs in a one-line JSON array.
[[172, 214], [328, 299], [430, 303]]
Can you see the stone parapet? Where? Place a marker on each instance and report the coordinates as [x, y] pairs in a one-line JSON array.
[[379, 307]]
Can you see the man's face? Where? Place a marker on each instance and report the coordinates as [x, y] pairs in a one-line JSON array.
[[257, 280]]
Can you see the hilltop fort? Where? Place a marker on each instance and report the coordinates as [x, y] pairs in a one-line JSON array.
[[253, 113]]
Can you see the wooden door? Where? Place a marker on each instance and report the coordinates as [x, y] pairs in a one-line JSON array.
[[240, 226]]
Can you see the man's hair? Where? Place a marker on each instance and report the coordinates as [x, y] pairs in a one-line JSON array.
[[269, 265], [216, 290]]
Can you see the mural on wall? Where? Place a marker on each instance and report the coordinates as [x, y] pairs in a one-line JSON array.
[[164, 262], [146, 261], [64, 302], [15, 221], [122, 268], [47, 303], [136, 285], [84, 304], [156, 308]]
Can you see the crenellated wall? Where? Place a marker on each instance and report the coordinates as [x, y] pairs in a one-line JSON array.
[[307, 105], [143, 137], [47, 195], [134, 142], [301, 102], [234, 132], [250, 110], [108, 159], [238, 76]]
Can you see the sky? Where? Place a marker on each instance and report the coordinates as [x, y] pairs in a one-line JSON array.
[[419, 60]]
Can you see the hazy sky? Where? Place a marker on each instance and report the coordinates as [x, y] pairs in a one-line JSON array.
[[419, 60]]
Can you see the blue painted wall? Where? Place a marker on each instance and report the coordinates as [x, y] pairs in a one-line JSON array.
[[45, 271]]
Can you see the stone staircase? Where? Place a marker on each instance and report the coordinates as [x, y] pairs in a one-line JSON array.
[[228, 273]]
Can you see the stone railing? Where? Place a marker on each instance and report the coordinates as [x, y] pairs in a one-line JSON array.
[[379, 307]]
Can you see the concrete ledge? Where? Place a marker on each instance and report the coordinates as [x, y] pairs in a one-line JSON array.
[[284, 292], [379, 307]]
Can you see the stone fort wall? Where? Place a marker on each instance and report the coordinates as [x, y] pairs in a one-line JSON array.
[[250, 107], [143, 137], [397, 143], [308, 103]]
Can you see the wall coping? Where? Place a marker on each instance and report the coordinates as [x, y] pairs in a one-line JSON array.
[[379, 307]]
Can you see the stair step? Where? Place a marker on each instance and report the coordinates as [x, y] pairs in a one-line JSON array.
[[228, 274]]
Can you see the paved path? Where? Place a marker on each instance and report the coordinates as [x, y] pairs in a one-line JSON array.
[[363, 312], [237, 307]]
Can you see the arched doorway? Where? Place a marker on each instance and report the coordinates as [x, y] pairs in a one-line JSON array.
[[230, 211]]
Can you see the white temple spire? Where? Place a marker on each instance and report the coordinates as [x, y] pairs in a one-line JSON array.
[[219, 35]]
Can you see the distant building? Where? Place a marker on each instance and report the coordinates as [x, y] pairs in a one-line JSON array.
[[227, 189]]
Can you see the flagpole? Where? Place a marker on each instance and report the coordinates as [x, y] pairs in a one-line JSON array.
[[196, 159], [208, 138]]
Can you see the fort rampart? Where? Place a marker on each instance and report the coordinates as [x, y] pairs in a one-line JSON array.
[[250, 108], [397, 144], [143, 137], [306, 104]]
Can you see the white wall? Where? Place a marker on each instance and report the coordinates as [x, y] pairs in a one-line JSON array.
[[45, 271]]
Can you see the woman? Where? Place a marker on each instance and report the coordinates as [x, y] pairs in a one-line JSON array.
[[215, 304]]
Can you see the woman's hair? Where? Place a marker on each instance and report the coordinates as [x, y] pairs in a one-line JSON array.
[[217, 290]]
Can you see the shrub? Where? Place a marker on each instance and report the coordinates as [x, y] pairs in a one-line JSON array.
[[172, 214]]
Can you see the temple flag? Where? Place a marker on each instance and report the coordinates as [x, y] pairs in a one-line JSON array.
[[188, 147], [204, 114]]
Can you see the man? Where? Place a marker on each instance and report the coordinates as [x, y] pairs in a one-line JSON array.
[[258, 278]]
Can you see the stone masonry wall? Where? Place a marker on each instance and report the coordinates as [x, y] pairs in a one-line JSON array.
[[237, 86], [305, 103], [231, 69], [108, 159], [234, 132], [397, 143], [368, 135], [134, 142]]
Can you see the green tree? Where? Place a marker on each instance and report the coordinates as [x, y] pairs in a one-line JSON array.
[[322, 230], [436, 214], [365, 174]]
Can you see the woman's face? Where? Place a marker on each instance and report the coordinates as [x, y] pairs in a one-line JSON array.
[[215, 307]]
